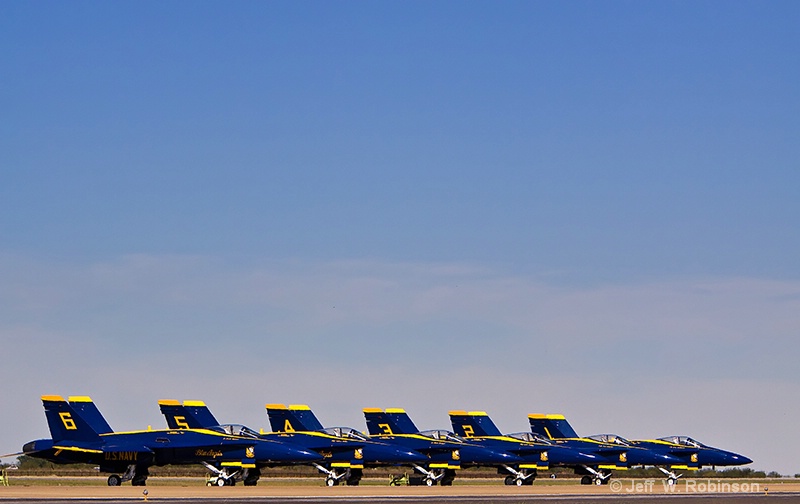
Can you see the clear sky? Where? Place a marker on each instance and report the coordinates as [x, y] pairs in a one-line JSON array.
[[588, 208]]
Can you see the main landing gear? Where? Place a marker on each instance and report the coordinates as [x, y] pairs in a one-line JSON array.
[[596, 477], [136, 475], [222, 477], [517, 477], [351, 477], [443, 477], [672, 478]]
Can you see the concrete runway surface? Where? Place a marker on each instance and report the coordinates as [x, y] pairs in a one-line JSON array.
[[629, 491]]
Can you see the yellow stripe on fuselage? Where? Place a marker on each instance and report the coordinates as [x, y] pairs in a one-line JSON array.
[[179, 432], [507, 439], [76, 449], [658, 441]]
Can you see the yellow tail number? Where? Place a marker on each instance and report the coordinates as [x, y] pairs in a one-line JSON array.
[[66, 419]]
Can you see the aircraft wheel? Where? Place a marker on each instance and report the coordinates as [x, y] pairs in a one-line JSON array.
[[429, 482], [114, 480], [586, 480], [519, 482], [671, 481], [509, 480], [599, 481], [330, 482], [220, 482], [208, 483]]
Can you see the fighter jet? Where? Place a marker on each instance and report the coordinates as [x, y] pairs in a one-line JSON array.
[[447, 451], [297, 421], [620, 453], [538, 453], [89, 440]]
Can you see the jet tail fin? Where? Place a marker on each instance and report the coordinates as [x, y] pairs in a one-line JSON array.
[[189, 415], [175, 414], [551, 426], [200, 414], [295, 417], [389, 421], [473, 423], [87, 409], [64, 422]]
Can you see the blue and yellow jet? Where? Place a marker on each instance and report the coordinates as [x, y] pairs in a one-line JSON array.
[[298, 421], [447, 452], [81, 435], [343, 457], [693, 454], [621, 453], [538, 453]]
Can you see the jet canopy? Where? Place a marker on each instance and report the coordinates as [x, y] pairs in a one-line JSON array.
[[684, 441], [442, 435], [612, 439], [530, 437], [237, 430], [345, 432]]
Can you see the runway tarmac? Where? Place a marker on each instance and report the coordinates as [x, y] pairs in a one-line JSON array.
[[628, 491]]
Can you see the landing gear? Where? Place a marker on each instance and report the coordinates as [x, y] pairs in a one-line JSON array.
[[672, 478], [136, 475], [140, 477], [251, 476], [449, 476], [332, 478], [221, 477], [517, 477], [433, 477], [354, 477], [596, 476], [514, 481]]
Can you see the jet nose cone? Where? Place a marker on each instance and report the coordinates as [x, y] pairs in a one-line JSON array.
[[736, 459]]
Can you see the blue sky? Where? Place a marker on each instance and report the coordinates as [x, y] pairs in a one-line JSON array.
[[578, 207]]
